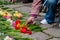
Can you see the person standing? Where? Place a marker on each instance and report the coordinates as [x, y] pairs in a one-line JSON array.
[[50, 14]]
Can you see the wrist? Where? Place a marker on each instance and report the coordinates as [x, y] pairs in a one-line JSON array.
[[33, 15]]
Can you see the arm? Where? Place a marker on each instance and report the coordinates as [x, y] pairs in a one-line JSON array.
[[35, 7], [34, 11]]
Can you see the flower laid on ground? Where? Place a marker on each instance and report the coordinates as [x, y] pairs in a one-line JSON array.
[[13, 23], [8, 38], [29, 32], [10, 20], [17, 25], [23, 28], [9, 16], [17, 14], [5, 14]]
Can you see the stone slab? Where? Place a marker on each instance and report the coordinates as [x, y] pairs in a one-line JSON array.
[[24, 9], [55, 39], [12, 6], [39, 36], [46, 25], [53, 32]]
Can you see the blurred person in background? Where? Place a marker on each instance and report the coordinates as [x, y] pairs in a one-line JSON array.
[[50, 14]]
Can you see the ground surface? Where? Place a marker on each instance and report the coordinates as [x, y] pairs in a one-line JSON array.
[[52, 33]]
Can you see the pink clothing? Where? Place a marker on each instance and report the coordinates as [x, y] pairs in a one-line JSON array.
[[35, 7]]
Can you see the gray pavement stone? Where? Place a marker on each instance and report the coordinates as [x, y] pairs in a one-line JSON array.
[[46, 25], [53, 32], [23, 9], [28, 4], [18, 5], [55, 39], [12, 6], [39, 36]]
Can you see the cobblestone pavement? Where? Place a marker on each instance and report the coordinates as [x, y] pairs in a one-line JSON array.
[[52, 33]]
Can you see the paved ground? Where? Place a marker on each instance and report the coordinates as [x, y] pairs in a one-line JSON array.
[[52, 33]]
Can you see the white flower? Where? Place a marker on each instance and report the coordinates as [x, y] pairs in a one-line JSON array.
[[10, 20], [8, 38]]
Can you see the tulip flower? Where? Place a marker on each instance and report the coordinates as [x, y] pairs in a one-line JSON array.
[[8, 38], [9, 16], [17, 26], [4, 17], [23, 30], [13, 24], [29, 32], [17, 21], [24, 26], [10, 21]]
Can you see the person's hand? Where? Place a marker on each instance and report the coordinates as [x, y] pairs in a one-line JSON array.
[[30, 20]]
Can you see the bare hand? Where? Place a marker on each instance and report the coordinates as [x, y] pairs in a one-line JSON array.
[[30, 20]]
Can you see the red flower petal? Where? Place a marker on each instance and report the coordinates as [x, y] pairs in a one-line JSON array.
[[17, 28], [17, 21], [24, 26], [29, 32], [24, 30]]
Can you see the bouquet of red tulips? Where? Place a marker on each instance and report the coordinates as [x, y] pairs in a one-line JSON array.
[[23, 28]]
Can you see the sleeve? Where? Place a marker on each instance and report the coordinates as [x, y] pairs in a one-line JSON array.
[[35, 7]]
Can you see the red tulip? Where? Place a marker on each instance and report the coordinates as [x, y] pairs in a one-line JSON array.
[[17, 27], [24, 30], [16, 24], [29, 32], [24, 27], [17, 21]]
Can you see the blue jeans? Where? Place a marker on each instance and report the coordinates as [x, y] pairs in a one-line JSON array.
[[50, 14]]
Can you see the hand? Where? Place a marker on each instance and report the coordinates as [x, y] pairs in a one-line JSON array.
[[30, 20]]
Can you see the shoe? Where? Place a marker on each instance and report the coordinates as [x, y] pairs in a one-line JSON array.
[[44, 21], [59, 24]]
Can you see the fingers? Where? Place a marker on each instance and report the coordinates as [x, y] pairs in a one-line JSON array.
[[29, 22]]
